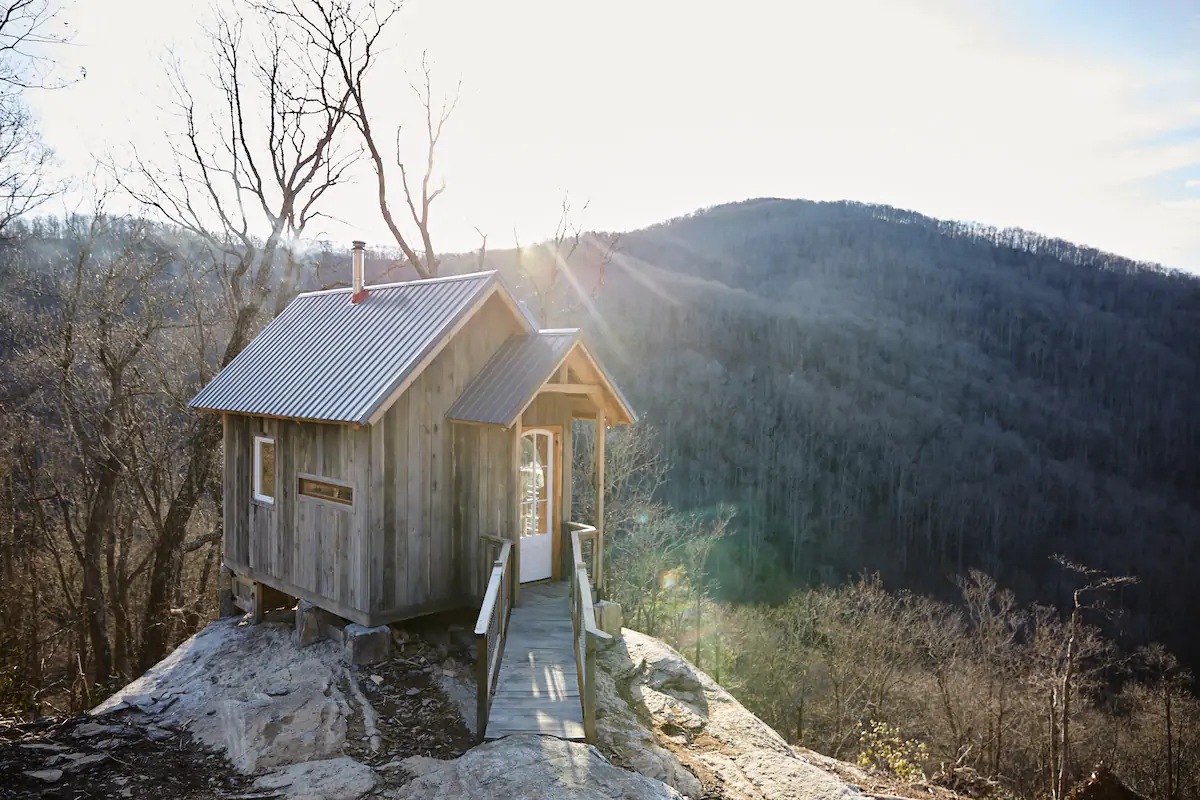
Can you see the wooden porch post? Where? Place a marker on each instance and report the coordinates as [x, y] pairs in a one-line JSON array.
[[515, 513], [598, 557]]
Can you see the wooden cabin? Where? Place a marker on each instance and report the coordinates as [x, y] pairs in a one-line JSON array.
[[373, 435]]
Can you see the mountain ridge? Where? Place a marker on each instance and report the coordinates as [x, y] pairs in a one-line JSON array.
[[876, 389]]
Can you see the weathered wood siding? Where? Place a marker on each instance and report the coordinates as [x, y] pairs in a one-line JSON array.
[[417, 545], [315, 546], [484, 485], [236, 491], [424, 490]]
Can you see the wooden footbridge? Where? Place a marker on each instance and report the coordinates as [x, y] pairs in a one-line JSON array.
[[536, 661]]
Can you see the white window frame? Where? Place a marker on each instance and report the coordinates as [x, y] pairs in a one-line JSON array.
[[257, 481], [550, 435]]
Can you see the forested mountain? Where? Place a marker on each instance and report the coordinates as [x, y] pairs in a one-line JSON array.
[[870, 390], [879, 391]]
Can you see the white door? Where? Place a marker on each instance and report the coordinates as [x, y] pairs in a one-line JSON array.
[[536, 485]]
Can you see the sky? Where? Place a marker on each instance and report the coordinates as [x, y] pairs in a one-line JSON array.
[[1072, 118]]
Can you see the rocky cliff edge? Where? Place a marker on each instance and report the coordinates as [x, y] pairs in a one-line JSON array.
[[302, 725]]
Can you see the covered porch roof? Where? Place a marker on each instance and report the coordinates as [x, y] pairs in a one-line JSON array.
[[554, 360]]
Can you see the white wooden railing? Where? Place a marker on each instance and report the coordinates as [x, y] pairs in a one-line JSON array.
[[583, 617], [491, 628]]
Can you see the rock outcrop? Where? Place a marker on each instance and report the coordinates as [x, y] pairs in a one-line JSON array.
[[661, 716], [305, 725], [532, 768], [330, 779], [248, 691]]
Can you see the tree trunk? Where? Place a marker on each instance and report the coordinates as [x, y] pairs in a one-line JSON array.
[[1170, 744], [164, 570], [1053, 731], [1064, 737], [95, 613], [999, 733], [116, 593]]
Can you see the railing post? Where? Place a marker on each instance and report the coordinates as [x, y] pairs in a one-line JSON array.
[[491, 629], [589, 688], [481, 682]]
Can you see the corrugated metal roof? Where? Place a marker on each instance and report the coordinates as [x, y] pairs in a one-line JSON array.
[[325, 358], [512, 377]]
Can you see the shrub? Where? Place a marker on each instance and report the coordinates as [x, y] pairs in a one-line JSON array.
[[884, 748]]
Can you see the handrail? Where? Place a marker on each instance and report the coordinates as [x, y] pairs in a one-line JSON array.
[[583, 621], [491, 630], [581, 533]]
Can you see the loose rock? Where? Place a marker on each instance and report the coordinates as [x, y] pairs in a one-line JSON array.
[[89, 729], [47, 775], [84, 762]]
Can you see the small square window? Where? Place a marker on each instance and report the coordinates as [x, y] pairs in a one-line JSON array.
[[264, 469], [323, 490]]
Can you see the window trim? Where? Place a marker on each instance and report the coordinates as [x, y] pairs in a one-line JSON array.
[[256, 462], [308, 498], [552, 435]]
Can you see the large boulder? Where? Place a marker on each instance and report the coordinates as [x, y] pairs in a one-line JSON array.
[[661, 716], [248, 691], [531, 768], [631, 742]]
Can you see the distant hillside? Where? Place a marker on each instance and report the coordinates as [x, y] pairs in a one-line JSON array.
[[878, 390]]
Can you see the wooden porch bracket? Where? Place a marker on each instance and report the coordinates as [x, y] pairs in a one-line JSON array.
[[601, 429], [515, 500], [571, 388]]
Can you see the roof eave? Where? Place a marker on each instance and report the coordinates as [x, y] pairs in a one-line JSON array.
[[323, 421], [557, 364]]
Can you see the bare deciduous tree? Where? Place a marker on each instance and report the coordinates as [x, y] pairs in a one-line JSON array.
[[349, 37], [109, 304], [1095, 582], [27, 28], [248, 193], [634, 470], [560, 276]]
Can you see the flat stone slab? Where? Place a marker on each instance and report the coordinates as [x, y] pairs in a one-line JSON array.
[[530, 767], [46, 775], [329, 779]]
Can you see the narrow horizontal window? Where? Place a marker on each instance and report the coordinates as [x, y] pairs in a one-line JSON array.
[[264, 469], [322, 490]]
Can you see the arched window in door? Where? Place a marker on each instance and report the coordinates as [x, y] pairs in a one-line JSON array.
[[537, 481]]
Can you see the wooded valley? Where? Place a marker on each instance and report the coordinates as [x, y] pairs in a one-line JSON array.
[[920, 492], [828, 392], [876, 390]]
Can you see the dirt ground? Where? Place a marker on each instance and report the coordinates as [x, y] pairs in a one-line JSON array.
[[415, 716], [119, 756]]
